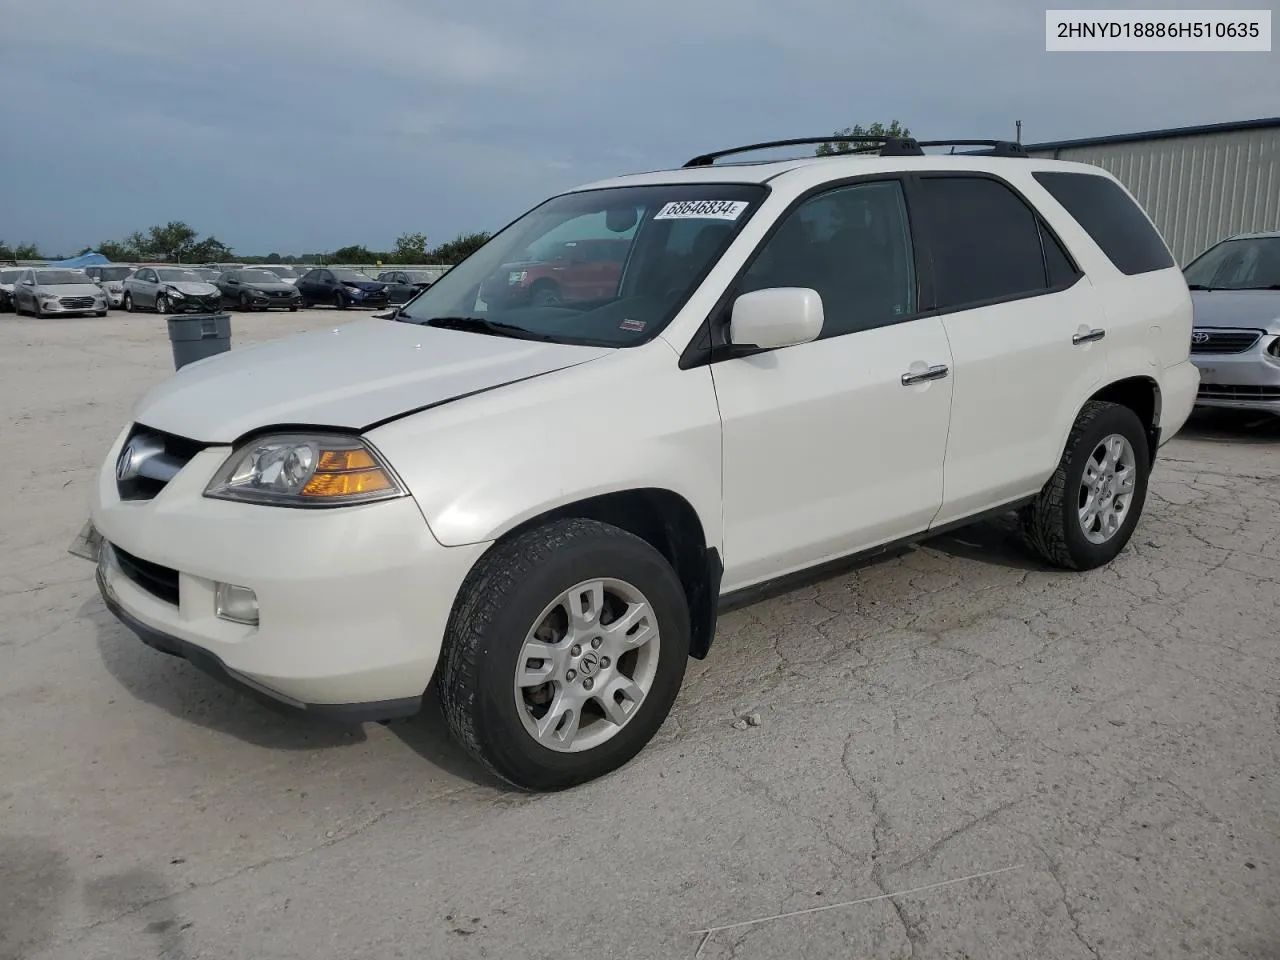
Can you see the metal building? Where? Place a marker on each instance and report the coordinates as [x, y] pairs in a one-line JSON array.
[[1199, 184]]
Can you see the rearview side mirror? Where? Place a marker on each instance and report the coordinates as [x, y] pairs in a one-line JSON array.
[[776, 317]]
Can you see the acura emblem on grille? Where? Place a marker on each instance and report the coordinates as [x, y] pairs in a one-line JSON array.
[[135, 453], [1199, 337]]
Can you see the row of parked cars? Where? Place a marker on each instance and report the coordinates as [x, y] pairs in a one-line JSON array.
[[169, 289]]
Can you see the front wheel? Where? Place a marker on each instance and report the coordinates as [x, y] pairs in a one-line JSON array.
[[162, 303], [564, 653], [128, 303], [1086, 513], [339, 300]]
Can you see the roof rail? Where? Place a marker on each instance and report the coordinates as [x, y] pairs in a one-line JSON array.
[[888, 147], [999, 148]]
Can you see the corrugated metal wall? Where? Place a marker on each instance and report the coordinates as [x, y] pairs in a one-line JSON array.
[[1198, 189]]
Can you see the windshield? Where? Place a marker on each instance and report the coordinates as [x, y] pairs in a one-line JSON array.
[[9, 276], [1251, 263], [282, 271], [116, 273], [172, 274], [257, 276], [50, 278], [351, 276], [609, 267], [206, 274]]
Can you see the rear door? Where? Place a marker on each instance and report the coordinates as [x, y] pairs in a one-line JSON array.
[[1024, 328]]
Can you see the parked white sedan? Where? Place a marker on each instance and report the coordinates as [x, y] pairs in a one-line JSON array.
[[47, 292]]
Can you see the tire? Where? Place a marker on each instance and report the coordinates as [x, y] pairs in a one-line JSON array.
[[128, 303], [293, 309], [1055, 526], [37, 311], [100, 313], [162, 303], [339, 300], [544, 293], [245, 305], [499, 607]]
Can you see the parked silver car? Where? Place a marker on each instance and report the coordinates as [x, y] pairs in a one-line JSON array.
[[111, 277], [8, 277], [170, 290], [1235, 286], [48, 291]]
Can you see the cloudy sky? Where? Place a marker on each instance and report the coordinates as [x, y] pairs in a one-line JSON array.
[[303, 125]]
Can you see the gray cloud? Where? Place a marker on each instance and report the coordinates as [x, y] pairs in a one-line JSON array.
[[305, 124]]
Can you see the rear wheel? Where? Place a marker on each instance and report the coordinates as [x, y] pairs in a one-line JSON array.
[[1088, 510], [564, 653]]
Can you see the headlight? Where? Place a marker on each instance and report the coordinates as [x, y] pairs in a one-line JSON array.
[[174, 293], [355, 291], [252, 292], [516, 276], [300, 470]]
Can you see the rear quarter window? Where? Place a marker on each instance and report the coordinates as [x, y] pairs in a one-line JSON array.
[[1116, 224]]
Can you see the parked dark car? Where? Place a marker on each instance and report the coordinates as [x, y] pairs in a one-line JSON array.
[[404, 285], [257, 290], [342, 288]]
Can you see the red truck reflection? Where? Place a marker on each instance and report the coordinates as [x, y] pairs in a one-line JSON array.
[[561, 273]]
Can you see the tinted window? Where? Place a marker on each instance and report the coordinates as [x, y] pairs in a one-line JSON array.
[[1250, 263], [984, 240], [853, 246], [1111, 218]]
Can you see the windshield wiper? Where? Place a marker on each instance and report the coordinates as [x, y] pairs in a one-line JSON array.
[[1198, 286], [494, 328]]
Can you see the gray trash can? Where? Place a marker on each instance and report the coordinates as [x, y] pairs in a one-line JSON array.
[[198, 335]]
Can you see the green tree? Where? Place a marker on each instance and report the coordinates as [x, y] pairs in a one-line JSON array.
[[117, 252], [459, 248], [877, 129], [410, 248], [208, 250], [26, 251], [6, 251], [173, 241], [353, 254]]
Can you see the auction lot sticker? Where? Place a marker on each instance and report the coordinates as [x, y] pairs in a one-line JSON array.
[[702, 209]]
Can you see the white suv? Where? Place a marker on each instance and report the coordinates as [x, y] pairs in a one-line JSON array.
[[541, 503]]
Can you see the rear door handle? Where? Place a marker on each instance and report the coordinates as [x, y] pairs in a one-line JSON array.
[[936, 372], [1089, 337]]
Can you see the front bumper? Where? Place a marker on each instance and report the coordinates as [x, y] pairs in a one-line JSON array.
[[353, 601], [191, 304], [1241, 381], [77, 310], [293, 300]]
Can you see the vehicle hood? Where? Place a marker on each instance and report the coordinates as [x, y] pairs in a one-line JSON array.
[[1253, 309], [191, 287], [371, 285], [68, 289], [350, 377], [279, 286], [6, 286]]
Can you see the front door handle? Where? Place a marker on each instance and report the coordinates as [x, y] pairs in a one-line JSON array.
[[1088, 337], [936, 372]]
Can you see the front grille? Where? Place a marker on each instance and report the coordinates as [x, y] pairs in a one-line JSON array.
[[161, 582], [1205, 340], [280, 293], [159, 457], [1226, 391], [76, 303]]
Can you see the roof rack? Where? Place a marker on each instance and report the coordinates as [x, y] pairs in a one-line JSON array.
[[886, 146], [999, 148]]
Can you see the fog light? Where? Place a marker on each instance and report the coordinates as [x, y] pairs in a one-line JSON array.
[[238, 604]]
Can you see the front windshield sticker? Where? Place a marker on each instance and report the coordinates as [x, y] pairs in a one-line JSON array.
[[636, 325], [701, 209]]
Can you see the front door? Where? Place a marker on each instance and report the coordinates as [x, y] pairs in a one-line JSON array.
[[835, 446]]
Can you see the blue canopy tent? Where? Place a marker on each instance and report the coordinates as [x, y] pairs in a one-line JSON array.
[[90, 259]]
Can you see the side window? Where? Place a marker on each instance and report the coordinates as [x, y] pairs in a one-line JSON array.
[[1111, 218], [1059, 269], [853, 246], [984, 241]]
